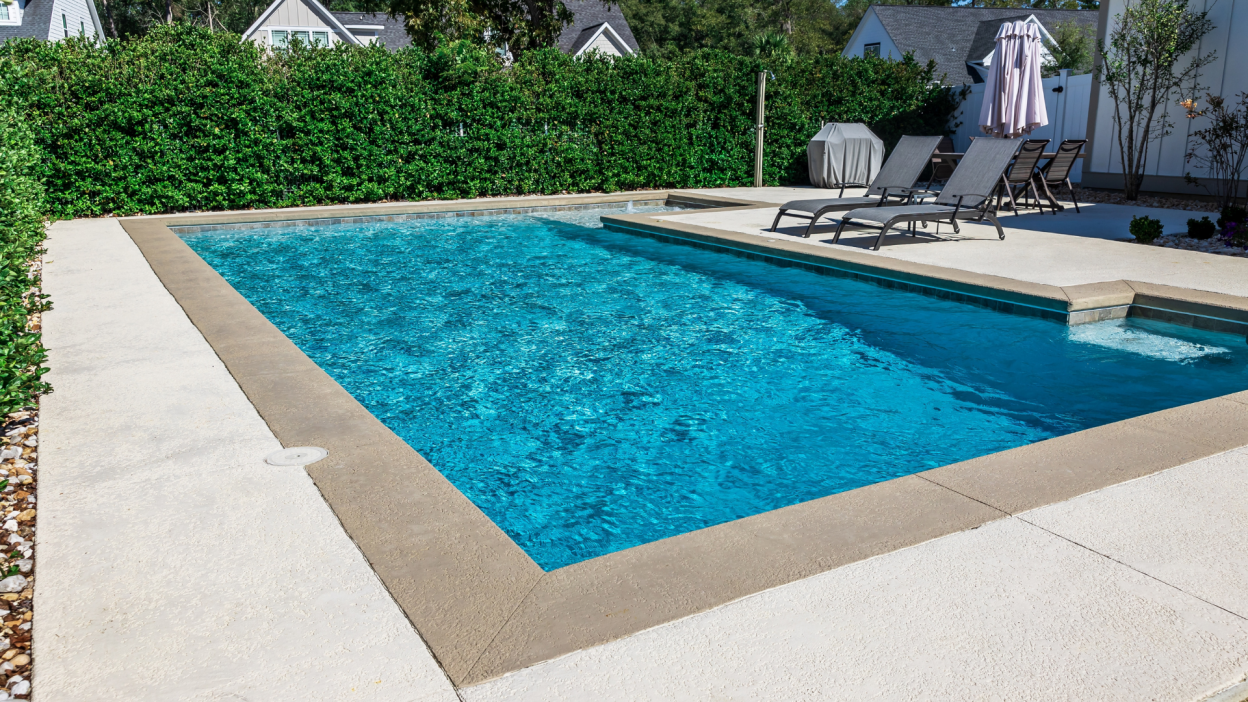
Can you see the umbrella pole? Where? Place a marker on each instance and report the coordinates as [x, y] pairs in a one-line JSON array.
[[758, 130]]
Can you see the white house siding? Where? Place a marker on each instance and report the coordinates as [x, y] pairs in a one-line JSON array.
[[1166, 158], [77, 16], [603, 44], [871, 31], [293, 13]]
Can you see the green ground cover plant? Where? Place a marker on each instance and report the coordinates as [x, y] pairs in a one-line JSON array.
[[22, 358], [182, 119]]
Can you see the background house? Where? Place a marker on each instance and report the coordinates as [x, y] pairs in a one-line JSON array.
[[595, 27], [50, 20], [958, 39], [1167, 161]]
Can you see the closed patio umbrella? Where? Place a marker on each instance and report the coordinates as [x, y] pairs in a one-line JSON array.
[[1013, 95]]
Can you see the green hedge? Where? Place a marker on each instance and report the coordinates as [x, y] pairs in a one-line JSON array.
[[22, 205], [186, 120]]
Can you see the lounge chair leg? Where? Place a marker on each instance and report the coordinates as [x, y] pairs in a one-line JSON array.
[[1039, 204], [777, 222], [956, 229], [1052, 200], [880, 239], [993, 218], [814, 219], [1013, 202], [1071, 188], [839, 228]]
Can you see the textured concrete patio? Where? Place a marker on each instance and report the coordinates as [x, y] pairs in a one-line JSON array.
[[1065, 249], [175, 564]]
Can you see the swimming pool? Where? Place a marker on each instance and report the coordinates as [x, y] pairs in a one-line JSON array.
[[591, 391]]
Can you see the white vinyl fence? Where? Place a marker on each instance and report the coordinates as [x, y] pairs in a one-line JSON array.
[[1067, 108]]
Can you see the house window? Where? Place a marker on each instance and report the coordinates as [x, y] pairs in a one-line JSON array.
[[280, 38], [82, 29], [65, 25], [11, 14], [872, 50]]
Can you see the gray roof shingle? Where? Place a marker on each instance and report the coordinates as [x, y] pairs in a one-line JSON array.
[[393, 35], [951, 36], [588, 15]]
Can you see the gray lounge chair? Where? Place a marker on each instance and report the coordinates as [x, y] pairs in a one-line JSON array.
[[967, 195], [896, 177]]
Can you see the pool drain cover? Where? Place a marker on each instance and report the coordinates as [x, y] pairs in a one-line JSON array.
[[297, 456]]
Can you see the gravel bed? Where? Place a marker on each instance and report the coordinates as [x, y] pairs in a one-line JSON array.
[[1213, 246], [18, 461], [1110, 197]]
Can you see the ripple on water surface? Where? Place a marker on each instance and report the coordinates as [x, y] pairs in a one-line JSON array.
[[592, 391]]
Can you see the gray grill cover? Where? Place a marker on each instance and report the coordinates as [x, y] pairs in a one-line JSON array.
[[844, 154]]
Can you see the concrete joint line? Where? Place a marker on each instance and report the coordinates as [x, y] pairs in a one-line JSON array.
[[1235, 693], [1130, 567]]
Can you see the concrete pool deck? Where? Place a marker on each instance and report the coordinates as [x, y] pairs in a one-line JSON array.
[[1061, 250], [1135, 590]]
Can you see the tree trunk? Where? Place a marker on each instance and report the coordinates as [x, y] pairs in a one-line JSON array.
[[168, 11], [108, 13]]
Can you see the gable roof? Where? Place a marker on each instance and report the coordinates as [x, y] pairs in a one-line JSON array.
[[392, 35], [952, 36], [326, 16], [590, 34], [588, 15]]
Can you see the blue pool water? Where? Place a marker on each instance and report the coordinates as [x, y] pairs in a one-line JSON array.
[[592, 391]]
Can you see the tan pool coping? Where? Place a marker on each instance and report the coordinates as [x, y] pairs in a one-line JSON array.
[[486, 609]]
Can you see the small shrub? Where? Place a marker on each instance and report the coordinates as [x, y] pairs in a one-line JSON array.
[[1202, 228], [1145, 229], [1233, 224], [1230, 214]]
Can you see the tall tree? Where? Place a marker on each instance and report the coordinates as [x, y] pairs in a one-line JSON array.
[[1141, 70], [517, 24]]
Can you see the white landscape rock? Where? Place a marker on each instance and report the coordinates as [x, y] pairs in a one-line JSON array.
[[13, 583]]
